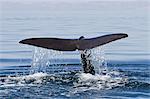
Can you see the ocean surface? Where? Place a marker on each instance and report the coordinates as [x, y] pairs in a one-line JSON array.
[[122, 67]]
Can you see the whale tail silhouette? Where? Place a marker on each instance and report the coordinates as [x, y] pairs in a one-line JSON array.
[[73, 44], [82, 44]]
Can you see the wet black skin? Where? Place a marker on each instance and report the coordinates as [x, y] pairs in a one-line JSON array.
[[86, 63], [82, 44]]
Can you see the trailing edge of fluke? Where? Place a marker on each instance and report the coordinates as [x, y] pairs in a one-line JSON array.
[[73, 44]]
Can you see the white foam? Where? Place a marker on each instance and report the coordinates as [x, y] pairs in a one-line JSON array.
[[98, 82], [90, 77], [31, 79], [35, 78]]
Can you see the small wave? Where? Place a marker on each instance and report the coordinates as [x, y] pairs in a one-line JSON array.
[[137, 85], [15, 60], [78, 82], [36, 78], [78, 79], [98, 82]]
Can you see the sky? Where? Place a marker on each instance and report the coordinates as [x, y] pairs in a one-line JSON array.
[[65, 0]]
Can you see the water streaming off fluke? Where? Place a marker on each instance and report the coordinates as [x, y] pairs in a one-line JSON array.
[[44, 59]]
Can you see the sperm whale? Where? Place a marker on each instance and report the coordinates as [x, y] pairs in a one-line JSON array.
[[82, 44]]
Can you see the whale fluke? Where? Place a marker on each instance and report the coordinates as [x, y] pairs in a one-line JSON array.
[[73, 44]]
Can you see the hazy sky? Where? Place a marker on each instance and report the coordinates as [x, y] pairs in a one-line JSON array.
[[63, 0]]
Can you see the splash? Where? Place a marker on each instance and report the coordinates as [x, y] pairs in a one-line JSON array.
[[88, 81], [32, 79], [39, 60], [103, 79], [42, 58], [99, 60], [94, 58]]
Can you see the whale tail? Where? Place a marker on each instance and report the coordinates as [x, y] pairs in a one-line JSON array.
[[73, 44], [82, 44]]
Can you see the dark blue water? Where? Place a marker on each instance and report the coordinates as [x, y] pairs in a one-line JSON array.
[[123, 67]]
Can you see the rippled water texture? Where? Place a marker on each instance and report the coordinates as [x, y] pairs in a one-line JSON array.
[[122, 67]]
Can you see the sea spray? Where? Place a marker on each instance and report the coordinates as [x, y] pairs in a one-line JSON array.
[[42, 58], [99, 60], [88, 81], [45, 58], [104, 79], [39, 60]]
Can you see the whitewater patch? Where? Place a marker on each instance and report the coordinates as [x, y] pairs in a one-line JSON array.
[[36, 78], [80, 80], [108, 81]]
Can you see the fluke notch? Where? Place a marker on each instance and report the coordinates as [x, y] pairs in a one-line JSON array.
[[73, 44]]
